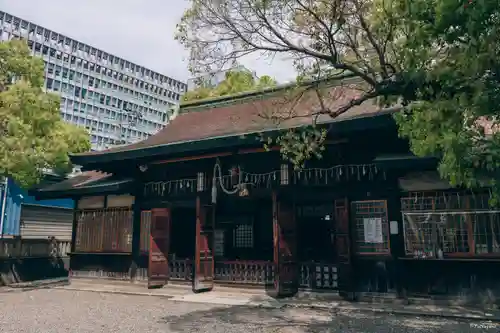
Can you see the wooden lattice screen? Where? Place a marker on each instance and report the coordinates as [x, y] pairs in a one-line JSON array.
[[145, 229], [450, 224], [371, 227], [104, 230]]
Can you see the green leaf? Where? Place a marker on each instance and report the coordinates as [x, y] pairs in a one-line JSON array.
[[33, 135]]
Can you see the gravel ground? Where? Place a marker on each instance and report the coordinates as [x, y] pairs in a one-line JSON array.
[[57, 311]]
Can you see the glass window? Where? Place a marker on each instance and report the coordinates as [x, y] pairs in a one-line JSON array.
[[49, 83]]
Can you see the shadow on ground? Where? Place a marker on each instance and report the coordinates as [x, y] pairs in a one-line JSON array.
[[290, 320]]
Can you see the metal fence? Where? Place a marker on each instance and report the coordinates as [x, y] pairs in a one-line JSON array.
[[33, 248]]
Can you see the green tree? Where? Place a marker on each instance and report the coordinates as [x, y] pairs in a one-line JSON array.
[[33, 135], [234, 83], [438, 59]]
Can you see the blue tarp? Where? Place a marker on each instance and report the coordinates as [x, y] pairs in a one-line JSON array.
[[15, 198]]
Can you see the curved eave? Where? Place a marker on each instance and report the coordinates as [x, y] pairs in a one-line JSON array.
[[406, 161], [110, 187], [361, 122]]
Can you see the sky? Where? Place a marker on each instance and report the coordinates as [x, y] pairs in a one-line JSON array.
[[141, 31]]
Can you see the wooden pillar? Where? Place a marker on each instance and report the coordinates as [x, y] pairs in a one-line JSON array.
[[286, 274], [343, 241], [158, 271], [203, 256], [136, 237], [74, 228]]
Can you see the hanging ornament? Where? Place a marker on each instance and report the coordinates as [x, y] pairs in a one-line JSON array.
[[364, 170]]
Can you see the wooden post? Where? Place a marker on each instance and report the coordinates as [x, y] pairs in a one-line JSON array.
[[470, 229], [136, 237], [74, 226], [285, 248], [203, 260], [343, 241]]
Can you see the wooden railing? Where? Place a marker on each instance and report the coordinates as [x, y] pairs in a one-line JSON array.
[[245, 272], [33, 248], [316, 275], [180, 270], [99, 273]]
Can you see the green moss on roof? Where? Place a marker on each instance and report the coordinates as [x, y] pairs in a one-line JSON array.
[[214, 102]]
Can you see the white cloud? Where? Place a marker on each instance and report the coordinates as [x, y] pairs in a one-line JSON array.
[[141, 31]]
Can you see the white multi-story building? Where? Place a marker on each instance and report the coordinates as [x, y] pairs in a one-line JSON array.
[[117, 100]]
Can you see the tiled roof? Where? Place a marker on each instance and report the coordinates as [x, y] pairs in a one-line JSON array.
[[243, 115], [85, 179]]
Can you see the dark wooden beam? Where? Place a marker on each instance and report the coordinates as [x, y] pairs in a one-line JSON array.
[[239, 152], [335, 142], [192, 158], [257, 150]]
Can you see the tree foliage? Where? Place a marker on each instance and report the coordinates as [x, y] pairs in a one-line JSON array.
[[33, 135], [439, 59], [237, 81]]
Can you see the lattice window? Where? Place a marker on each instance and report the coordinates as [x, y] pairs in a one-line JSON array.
[[104, 230], [145, 230], [439, 224], [219, 243], [243, 236], [372, 227], [284, 174]]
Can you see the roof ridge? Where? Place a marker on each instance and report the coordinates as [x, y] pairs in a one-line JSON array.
[[209, 103]]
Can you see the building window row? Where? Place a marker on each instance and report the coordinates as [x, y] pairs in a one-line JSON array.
[[85, 79], [101, 71], [95, 97], [27, 29], [105, 133], [70, 74], [109, 116]]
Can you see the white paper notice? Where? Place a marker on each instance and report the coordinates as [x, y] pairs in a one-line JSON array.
[[373, 230]]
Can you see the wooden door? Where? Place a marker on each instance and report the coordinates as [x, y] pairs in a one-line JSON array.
[[285, 248], [343, 247], [158, 272], [204, 260]]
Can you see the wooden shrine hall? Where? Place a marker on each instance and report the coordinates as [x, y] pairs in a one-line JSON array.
[[202, 202]]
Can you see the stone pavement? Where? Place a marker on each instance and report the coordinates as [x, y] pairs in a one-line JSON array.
[[259, 298], [54, 310]]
